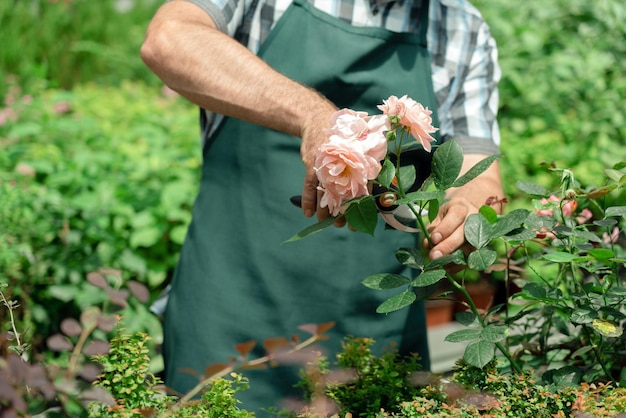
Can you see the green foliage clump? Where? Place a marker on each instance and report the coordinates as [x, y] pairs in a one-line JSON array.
[[96, 177], [562, 90], [127, 377], [472, 392], [69, 42], [137, 392], [371, 383]]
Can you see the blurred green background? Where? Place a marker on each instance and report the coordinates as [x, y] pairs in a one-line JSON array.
[[99, 162]]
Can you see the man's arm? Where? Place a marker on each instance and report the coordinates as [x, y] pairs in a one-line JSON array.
[[186, 50]]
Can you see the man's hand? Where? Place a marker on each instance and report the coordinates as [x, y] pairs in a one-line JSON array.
[[313, 136], [446, 230]]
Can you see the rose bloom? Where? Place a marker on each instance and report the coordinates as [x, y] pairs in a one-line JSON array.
[[415, 117], [343, 170], [351, 157], [611, 239]]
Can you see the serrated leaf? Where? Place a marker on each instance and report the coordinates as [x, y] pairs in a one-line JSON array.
[[601, 253], [475, 171], [428, 278], [481, 259], [463, 335], [446, 164], [410, 257], [614, 175], [433, 209], [456, 257], [406, 177], [489, 213], [615, 211], [466, 318], [479, 353], [397, 302], [511, 221], [363, 216], [477, 230], [494, 333], [534, 291], [601, 191], [387, 173], [607, 328], [583, 316], [520, 234], [385, 281], [531, 188], [313, 229], [560, 257]]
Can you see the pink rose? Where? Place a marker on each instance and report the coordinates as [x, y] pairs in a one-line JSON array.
[[344, 169], [413, 116], [584, 216], [611, 239]]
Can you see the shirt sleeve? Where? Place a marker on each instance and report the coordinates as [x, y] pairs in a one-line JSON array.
[[227, 14], [465, 76]]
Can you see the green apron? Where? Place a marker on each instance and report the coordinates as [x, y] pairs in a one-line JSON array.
[[236, 280]]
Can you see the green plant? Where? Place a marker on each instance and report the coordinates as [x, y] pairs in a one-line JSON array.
[[365, 383], [91, 178], [127, 378], [71, 42]]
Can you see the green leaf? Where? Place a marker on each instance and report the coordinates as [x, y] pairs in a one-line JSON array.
[[520, 234], [607, 328], [446, 165], [145, 237], [479, 353], [560, 257], [313, 229], [428, 278], [481, 259], [466, 318], [601, 253], [511, 221], [363, 216], [489, 213], [601, 191], [463, 335], [406, 177], [387, 173], [615, 211], [433, 209], [457, 257], [385, 281], [475, 171], [583, 316], [494, 333], [396, 302], [614, 175], [531, 188], [410, 257], [534, 291], [477, 230]]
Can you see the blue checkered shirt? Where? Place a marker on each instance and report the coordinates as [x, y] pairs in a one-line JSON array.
[[463, 54]]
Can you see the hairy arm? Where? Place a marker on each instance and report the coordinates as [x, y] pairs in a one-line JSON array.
[[184, 48]]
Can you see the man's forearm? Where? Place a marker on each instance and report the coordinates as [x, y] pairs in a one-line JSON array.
[[206, 66]]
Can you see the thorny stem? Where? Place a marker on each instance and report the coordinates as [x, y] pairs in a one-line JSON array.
[[227, 370]]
